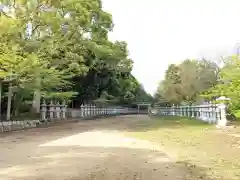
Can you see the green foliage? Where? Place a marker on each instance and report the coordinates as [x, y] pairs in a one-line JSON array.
[[66, 55], [237, 114], [183, 83], [197, 80], [229, 83]]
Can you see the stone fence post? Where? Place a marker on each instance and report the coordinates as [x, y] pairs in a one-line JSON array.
[[82, 110], [51, 110], [44, 111], [63, 110], [57, 110], [210, 113], [93, 110], [222, 120], [173, 110], [85, 110]]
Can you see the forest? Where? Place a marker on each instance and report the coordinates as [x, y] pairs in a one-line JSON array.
[[60, 50]]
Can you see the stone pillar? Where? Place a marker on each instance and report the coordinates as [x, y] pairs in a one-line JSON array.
[[223, 120], [218, 116], [90, 110], [51, 110], [173, 111], [200, 112], [94, 110], [82, 110], [196, 112], [193, 111], [176, 110], [43, 111], [85, 110], [189, 111], [57, 110], [211, 113], [214, 113], [63, 110]]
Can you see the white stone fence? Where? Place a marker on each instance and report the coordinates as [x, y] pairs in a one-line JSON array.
[[61, 112], [7, 126], [211, 113], [52, 112]]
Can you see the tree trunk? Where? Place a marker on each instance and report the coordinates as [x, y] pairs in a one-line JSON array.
[[36, 101], [37, 97], [9, 102], [17, 103]]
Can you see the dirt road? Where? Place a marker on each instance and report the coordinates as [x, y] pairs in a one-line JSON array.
[[86, 150]]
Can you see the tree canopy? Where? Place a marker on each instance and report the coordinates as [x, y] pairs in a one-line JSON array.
[[61, 50], [185, 82]]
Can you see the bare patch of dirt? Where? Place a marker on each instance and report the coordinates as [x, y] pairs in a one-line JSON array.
[[88, 150]]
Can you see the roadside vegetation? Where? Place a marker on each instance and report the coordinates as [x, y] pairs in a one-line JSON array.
[[194, 142]]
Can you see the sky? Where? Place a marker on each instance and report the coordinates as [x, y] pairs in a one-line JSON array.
[[160, 32]]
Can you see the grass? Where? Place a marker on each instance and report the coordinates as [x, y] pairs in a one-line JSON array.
[[193, 141], [237, 114]]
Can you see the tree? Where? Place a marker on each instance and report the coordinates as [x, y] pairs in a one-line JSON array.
[[170, 87], [228, 84], [60, 49], [186, 81], [63, 48]]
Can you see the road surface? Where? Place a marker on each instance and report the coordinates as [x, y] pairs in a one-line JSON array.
[[85, 150]]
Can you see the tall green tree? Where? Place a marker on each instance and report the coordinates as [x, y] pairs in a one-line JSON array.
[[59, 48], [183, 83], [228, 84]]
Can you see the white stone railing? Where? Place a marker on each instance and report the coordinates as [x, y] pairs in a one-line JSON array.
[[58, 112], [61, 112], [7, 126], [211, 113], [53, 111]]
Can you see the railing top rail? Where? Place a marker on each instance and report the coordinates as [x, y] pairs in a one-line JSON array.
[[193, 106]]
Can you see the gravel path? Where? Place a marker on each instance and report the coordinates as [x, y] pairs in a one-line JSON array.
[[86, 150]]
